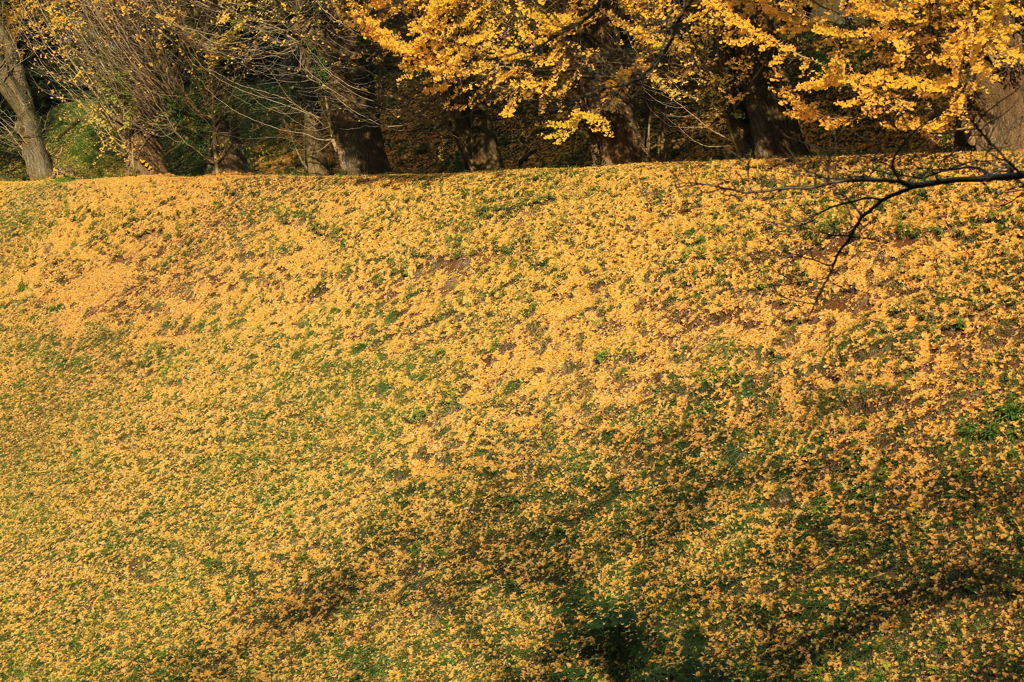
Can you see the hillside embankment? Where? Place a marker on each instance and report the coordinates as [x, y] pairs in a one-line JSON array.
[[577, 424]]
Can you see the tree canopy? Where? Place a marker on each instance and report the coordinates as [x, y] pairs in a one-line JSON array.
[[769, 76]]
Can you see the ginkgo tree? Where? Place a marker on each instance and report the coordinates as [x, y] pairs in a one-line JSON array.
[[912, 65], [771, 69], [734, 55], [922, 65], [580, 61], [587, 63]]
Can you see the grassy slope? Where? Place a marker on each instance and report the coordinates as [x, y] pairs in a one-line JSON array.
[[559, 424]]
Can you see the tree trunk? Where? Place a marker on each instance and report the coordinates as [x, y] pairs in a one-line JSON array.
[[342, 88], [313, 146], [145, 153], [626, 145], [739, 129], [226, 155], [15, 91], [358, 143], [38, 163], [962, 137], [475, 138], [759, 126], [997, 114]]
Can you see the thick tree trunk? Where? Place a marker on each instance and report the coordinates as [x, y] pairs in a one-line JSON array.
[[626, 145], [475, 138], [38, 163], [145, 153], [225, 155], [15, 91], [342, 88], [997, 114], [358, 143], [759, 126], [313, 147]]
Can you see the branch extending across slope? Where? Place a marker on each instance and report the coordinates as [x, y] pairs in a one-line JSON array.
[[903, 184], [865, 205]]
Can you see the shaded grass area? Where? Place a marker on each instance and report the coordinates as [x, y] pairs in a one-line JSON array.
[[548, 424]]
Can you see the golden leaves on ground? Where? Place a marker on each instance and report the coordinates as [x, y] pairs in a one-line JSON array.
[[576, 423]]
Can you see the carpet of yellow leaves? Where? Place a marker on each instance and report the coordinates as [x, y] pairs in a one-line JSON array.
[[544, 424]]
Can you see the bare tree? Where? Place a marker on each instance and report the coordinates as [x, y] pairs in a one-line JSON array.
[[339, 84], [321, 78], [153, 74], [112, 61], [14, 89], [855, 189]]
